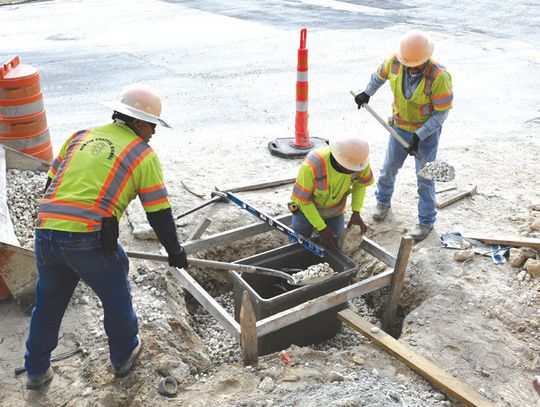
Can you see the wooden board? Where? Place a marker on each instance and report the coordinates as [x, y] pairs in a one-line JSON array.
[[261, 185], [397, 285], [208, 303], [7, 233], [248, 331], [378, 251], [507, 240], [320, 304], [229, 236], [427, 369]]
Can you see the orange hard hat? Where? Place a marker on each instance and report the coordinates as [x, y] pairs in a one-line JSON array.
[[350, 152], [415, 48], [139, 101]]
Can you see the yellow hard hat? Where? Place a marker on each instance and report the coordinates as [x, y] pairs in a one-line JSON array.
[[350, 152], [139, 101], [415, 48]]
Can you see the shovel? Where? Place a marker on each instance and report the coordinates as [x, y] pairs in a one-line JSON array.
[[244, 268], [437, 170]]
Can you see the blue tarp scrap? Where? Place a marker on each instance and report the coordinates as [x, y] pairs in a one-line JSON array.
[[457, 241]]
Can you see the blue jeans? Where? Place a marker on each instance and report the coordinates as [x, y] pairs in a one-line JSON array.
[[301, 225], [62, 259], [395, 157]]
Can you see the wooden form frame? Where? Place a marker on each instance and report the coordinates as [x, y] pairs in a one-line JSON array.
[[248, 330]]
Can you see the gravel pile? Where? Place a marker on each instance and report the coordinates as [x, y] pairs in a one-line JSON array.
[[221, 347], [438, 170], [24, 190], [357, 388]]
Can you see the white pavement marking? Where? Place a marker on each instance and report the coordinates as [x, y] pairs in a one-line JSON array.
[[343, 6]]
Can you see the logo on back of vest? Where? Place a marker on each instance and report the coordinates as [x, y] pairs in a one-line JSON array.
[[97, 145]]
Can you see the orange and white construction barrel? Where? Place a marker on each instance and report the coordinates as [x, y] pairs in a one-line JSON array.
[[23, 122]]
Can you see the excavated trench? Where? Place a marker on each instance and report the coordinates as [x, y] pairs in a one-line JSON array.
[[25, 189]]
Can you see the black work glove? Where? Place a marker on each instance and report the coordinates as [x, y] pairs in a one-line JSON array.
[[361, 98], [178, 259], [328, 237], [413, 145]]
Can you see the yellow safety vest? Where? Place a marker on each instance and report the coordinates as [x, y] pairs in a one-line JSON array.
[[320, 191], [434, 92], [97, 173]]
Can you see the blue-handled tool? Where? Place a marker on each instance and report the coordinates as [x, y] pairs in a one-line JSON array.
[[295, 237]]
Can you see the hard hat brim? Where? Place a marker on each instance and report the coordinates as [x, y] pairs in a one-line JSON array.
[[136, 114]]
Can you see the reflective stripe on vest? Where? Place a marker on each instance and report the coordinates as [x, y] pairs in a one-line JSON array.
[[334, 210], [120, 173], [316, 162], [301, 193], [76, 140], [153, 195], [363, 180]]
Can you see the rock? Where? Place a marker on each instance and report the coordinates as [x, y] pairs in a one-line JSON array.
[[462, 255], [535, 225], [519, 256], [335, 377], [358, 360], [533, 267], [267, 384]]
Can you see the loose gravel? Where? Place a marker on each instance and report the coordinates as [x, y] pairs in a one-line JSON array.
[[438, 170], [24, 190]]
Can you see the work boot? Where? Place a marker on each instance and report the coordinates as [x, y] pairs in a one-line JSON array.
[[420, 232], [124, 369], [380, 212], [37, 383]]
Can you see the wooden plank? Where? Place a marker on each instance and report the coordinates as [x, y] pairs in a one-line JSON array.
[[248, 332], [208, 303], [7, 233], [17, 160], [427, 369], [320, 304], [19, 272], [378, 251], [397, 285], [517, 241], [229, 236], [199, 229], [440, 191], [261, 185], [456, 198]]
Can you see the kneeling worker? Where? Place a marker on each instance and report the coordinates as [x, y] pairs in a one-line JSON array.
[[326, 177], [98, 172]]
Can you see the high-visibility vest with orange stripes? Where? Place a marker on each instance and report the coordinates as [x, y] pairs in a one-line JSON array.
[[434, 92], [322, 185], [97, 173]]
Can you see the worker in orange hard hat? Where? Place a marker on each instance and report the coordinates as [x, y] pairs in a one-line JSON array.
[[422, 98], [325, 179], [97, 173]]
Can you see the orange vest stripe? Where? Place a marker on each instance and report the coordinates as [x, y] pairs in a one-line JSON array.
[[75, 142], [140, 156]]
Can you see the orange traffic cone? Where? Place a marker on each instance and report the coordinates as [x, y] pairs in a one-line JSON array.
[[301, 144]]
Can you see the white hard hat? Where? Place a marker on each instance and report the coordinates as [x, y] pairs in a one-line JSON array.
[[140, 102], [350, 152], [415, 48]]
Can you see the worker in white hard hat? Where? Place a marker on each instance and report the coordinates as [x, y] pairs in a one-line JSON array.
[[97, 173], [325, 179], [422, 98]]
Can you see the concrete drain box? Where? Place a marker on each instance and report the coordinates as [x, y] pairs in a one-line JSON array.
[[270, 295]]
